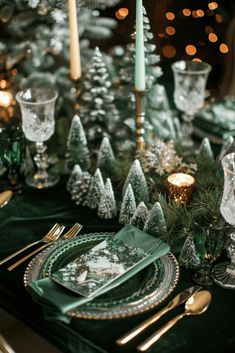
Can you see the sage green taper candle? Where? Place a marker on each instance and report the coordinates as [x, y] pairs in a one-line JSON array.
[[139, 48]]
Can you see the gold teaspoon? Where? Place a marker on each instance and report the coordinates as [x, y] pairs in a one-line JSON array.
[[195, 305], [5, 197]]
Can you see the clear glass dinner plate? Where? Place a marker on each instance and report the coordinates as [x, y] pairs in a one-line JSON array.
[[145, 290]]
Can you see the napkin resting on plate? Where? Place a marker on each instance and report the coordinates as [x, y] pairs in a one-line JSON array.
[[57, 300]]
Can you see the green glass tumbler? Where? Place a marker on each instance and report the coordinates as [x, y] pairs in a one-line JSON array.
[[12, 151]]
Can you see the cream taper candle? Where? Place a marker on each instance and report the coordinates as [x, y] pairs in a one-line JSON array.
[[139, 48], [75, 60]]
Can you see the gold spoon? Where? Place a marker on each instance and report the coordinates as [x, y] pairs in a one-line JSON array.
[[195, 305], [5, 197]]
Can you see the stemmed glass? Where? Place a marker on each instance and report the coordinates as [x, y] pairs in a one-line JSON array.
[[37, 108], [190, 81], [224, 273]]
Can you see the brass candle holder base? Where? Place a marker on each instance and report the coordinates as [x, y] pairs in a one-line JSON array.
[[180, 187], [140, 119]]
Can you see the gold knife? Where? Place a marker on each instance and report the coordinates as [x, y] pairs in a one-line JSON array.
[[177, 300]]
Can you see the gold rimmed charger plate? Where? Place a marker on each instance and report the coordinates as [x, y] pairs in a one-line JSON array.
[[145, 290]]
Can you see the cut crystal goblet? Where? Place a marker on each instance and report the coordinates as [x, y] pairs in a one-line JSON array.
[[190, 80], [37, 108]]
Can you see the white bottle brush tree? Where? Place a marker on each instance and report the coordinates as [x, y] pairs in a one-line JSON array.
[[140, 216], [77, 150], [128, 206], [96, 190], [138, 182], [155, 224], [107, 207]]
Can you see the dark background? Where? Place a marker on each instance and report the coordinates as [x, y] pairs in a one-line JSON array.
[[189, 30]]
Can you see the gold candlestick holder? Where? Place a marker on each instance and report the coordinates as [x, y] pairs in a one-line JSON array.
[[139, 119]]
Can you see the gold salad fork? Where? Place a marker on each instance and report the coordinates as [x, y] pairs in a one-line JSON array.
[[71, 233], [50, 236]]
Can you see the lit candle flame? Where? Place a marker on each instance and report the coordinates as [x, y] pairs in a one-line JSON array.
[[5, 98]]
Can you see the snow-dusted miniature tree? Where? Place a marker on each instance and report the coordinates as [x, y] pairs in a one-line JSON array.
[[140, 216], [107, 207], [188, 256], [128, 206], [106, 158], [138, 182], [155, 224], [96, 190], [75, 175], [80, 188], [77, 150], [205, 149], [98, 107]]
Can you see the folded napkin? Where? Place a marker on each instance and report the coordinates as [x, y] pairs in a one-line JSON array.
[[57, 300], [218, 118]]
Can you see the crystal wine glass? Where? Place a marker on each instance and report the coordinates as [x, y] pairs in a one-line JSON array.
[[37, 108], [224, 273], [190, 81]]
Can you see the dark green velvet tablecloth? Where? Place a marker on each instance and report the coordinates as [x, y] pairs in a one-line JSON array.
[[28, 216]]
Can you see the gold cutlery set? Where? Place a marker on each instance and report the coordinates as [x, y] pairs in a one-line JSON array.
[[53, 235], [196, 303]]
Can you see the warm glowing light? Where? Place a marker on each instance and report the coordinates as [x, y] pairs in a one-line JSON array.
[[161, 35], [169, 51], [191, 49], [170, 30], [197, 60], [218, 18], [223, 48], [208, 29], [212, 37], [213, 5], [122, 13], [200, 13], [194, 14], [170, 16], [5, 98], [186, 12], [3, 84]]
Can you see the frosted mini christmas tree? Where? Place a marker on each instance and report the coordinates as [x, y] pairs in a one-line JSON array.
[[96, 190], [80, 188], [77, 150], [107, 207], [106, 158], [155, 224], [138, 182], [188, 256], [140, 216], [205, 149], [128, 206], [75, 176]]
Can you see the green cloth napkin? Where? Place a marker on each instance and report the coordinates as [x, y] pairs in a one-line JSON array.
[[218, 118], [57, 301]]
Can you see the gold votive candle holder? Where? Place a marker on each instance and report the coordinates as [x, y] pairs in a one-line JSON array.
[[180, 187]]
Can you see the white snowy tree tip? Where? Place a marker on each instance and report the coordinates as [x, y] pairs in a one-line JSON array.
[[76, 119], [97, 51], [136, 163], [129, 190], [77, 169]]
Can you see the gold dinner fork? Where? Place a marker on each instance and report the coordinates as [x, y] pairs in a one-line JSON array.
[[71, 233], [46, 239]]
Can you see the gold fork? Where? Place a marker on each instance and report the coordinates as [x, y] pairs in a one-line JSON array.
[[72, 232], [46, 239]]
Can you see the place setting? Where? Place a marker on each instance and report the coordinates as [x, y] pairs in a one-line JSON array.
[[116, 176]]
